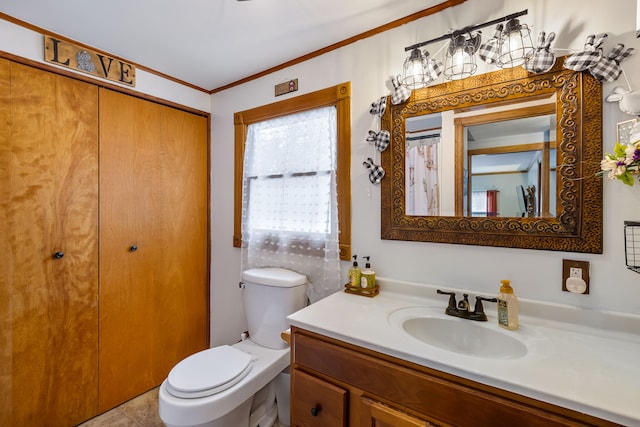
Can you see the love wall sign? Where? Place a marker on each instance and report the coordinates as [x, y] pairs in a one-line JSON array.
[[87, 61]]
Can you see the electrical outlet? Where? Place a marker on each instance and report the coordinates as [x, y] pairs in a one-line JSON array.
[[575, 272], [573, 275]]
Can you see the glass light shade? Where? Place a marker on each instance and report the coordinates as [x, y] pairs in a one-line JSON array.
[[460, 61], [414, 74], [515, 45]]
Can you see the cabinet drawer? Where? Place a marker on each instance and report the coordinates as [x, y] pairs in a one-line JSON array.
[[376, 414], [316, 403]]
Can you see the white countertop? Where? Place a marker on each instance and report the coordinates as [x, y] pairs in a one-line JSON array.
[[590, 369]]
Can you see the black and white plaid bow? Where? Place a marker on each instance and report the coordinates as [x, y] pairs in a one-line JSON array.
[[380, 139], [376, 173], [399, 93], [608, 67], [587, 58], [378, 107], [434, 69], [489, 50], [543, 58]]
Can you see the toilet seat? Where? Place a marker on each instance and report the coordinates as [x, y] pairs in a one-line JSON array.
[[208, 372]]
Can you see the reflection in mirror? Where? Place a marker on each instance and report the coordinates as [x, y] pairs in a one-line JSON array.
[[458, 172], [509, 150], [421, 164], [509, 162]]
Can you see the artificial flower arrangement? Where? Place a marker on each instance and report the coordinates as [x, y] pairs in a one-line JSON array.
[[624, 162]]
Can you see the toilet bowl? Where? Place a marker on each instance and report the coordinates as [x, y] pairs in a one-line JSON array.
[[265, 365], [234, 386]]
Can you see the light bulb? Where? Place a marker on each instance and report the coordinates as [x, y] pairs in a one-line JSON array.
[[458, 61]]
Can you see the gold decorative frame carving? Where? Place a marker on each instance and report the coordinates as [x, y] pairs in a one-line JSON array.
[[577, 226]]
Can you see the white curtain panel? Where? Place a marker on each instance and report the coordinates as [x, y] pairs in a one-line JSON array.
[[421, 169], [289, 198]]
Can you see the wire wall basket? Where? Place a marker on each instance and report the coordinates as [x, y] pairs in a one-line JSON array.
[[632, 245]]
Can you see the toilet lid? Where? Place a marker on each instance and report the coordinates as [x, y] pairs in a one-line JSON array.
[[208, 372]]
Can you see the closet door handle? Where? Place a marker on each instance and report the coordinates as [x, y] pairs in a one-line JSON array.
[[315, 410], [58, 255], [133, 248]]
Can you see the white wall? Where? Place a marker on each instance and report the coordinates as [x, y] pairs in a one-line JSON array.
[[29, 44], [368, 64]]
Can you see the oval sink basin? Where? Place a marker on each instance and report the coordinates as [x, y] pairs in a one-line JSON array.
[[467, 337]]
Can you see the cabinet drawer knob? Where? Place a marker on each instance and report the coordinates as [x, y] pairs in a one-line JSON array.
[[58, 255], [315, 410], [133, 248]]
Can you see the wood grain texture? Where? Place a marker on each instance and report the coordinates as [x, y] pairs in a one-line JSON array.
[[153, 302], [183, 321], [376, 414], [50, 204], [6, 261], [317, 403], [426, 394]]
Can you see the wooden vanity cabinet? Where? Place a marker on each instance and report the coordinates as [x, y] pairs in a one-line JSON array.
[[384, 391]]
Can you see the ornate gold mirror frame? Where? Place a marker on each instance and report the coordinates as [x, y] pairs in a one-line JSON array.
[[577, 225]]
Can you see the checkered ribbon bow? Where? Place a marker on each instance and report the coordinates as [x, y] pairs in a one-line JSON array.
[[376, 173], [488, 50], [380, 139], [543, 58], [587, 58], [608, 67], [399, 93], [378, 107], [434, 69]]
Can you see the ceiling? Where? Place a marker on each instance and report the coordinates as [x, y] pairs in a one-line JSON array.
[[210, 43]]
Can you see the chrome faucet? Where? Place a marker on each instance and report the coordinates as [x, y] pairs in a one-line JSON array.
[[462, 309]]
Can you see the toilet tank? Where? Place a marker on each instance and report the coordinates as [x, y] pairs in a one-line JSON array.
[[270, 295]]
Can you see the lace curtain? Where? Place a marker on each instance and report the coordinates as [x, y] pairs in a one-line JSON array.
[[289, 198]]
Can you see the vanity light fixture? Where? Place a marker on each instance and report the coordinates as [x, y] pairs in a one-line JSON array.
[[514, 48], [414, 73], [460, 59], [514, 45]]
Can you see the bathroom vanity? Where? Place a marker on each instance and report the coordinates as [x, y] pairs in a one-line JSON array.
[[355, 362]]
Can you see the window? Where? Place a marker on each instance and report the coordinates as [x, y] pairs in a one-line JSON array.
[[484, 203], [338, 98], [289, 182]]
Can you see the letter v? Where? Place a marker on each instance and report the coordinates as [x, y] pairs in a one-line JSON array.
[[105, 68]]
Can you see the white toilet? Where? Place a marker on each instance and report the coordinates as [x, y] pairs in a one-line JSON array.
[[233, 386]]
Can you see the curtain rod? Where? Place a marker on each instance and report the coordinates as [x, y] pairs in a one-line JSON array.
[[467, 30]]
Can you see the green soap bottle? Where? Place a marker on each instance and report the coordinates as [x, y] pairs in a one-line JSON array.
[[368, 279], [355, 274]]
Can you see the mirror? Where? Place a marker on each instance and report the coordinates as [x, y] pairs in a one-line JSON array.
[[507, 158]]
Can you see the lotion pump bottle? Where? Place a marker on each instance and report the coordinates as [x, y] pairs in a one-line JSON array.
[[355, 275], [368, 275], [507, 306]]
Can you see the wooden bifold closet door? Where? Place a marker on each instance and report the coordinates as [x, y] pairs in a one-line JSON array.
[[49, 244], [153, 243]]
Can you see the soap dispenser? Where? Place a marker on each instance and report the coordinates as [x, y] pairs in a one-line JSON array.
[[368, 275], [355, 274], [507, 306]]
